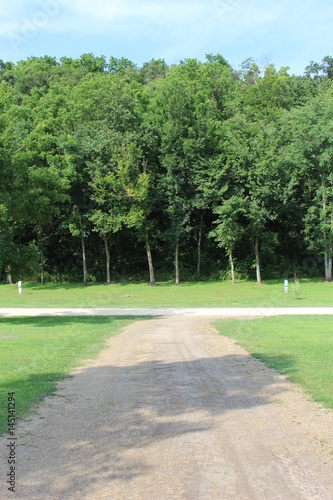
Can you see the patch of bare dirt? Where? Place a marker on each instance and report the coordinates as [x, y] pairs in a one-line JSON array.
[[172, 410]]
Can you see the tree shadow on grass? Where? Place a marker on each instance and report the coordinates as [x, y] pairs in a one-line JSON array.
[[283, 363], [46, 321], [55, 286]]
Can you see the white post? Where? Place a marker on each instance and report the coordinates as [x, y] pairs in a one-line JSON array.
[[19, 284], [285, 286]]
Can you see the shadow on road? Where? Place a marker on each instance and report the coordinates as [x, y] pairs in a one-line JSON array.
[[99, 420]]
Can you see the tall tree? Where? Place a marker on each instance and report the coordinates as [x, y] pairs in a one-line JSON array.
[[103, 121], [229, 227], [310, 153], [175, 109]]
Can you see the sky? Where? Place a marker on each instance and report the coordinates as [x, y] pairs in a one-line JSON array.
[[280, 32]]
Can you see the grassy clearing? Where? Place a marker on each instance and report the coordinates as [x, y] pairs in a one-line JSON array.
[[35, 353], [202, 294], [300, 348]]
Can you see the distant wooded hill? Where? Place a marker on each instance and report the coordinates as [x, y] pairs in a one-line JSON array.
[[113, 171]]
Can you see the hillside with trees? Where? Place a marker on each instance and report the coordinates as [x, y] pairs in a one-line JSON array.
[[111, 171]]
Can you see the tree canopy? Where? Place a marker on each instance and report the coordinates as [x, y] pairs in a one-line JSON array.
[[193, 171]]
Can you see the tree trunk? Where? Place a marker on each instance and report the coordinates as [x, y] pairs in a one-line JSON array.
[[177, 265], [40, 248], [9, 280], [232, 266], [330, 260], [150, 259], [84, 260], [328, 250], [329, 256], [199, 243], [42, 279], [107, 252], [256, 246], [328, 265]]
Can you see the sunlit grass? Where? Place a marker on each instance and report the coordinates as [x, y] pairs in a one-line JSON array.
[[35, 353], [300, 348], [202, 294]]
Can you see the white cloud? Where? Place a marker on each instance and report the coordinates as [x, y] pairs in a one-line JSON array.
[[6, 28], [218, 18], [97, 16], [144, 10], [170, 28]]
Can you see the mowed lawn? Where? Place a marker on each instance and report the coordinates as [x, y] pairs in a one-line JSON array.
[[299, 347], [35, 353], [200, 294]]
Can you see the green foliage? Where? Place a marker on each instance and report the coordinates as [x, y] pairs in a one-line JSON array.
[[104, 157], [21, 260], [311, 153], [229, 230]]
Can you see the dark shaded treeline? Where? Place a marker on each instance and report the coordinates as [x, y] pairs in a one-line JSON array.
[[191, 171]]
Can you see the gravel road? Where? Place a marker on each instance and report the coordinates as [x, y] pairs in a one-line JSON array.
[[172, 410], [216, 312]]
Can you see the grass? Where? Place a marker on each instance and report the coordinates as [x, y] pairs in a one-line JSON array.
[[301, 349], [36, 353], [201, 294]]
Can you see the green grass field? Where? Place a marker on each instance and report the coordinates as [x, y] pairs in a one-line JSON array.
[[300, 348], [36, 353], [202, 294]]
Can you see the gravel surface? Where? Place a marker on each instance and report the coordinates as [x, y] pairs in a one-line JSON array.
[[172, 410], [218, 312]]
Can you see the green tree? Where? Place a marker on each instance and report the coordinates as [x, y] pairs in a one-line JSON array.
[[212, 84], [175, 109], [310, 154], [103, 122], [229, 226]]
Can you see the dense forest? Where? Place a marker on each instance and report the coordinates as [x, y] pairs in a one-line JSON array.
[[111, 171]]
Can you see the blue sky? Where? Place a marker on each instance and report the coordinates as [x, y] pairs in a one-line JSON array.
[[285, 33]]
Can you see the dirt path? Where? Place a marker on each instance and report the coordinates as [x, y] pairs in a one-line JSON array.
[[171, 410], [210, 312]]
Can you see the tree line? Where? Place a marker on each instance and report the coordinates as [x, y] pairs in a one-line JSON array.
[[195, 170]]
